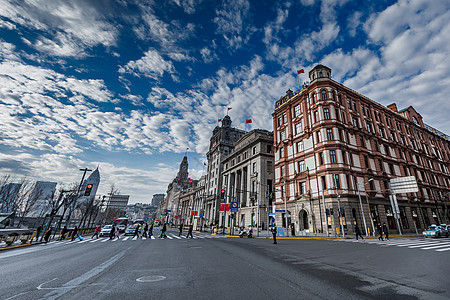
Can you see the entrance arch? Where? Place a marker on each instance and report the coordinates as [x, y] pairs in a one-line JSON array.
[[303, 220]]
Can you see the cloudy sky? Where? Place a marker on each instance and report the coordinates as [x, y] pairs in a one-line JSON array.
[[130, 85]]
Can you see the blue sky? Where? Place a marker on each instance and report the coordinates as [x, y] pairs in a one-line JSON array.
[[129, 85]]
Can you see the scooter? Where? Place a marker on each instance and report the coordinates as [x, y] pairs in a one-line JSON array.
[[246, 233]]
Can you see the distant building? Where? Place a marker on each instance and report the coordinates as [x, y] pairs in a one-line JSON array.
[[118, 204], [157, 198], [42, 193], [140, 211]]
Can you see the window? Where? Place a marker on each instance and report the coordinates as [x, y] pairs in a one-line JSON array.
[[254, 167], [313, 96], [355, 122], [349, 104], [280, 122], [316, 116], [324, 183], [330, 134], [281, 152], [341, 137], [382, 132], [337, 184], [320, 158], [297, 110], [299, 146], [333, 156], [302, 188], [301, 166], [363, 109], [354, 106], [254, 150], [393, 136], [369, 127], [344, 155], [391, 169], [319, 136], [336, 113], [324, 95], [362, 141], [376, 146], [350, 155], [366, 161], [282, 171], [282, 135], [284, 118], [298, 128], [269, 150], [326, 113]]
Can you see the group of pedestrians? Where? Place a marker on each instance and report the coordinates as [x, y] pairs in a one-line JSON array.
[[382, 230], [189, 234]]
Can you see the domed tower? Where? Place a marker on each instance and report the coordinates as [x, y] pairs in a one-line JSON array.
[[226, 122], [319, 71]]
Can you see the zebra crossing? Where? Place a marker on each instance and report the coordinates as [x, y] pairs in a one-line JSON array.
[[124, 238], [438, 245]]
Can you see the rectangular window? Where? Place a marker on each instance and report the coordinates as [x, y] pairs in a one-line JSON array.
[[333, 156], [362, 141], [350, 156], [316, 116], [300, 146], [269, 149], [391, 169], [281, 152], [344, 155], [382, 132], [319, 136], [354, 105], [376, 146], [336, 113], [393, 136], [320, 158], [324, 183], [302, 188], [282, 171], [330, 134], [280, 122], [337, 184], [363, 109], [326, 113], [355, 122], [301, 166], [366, 161], [298, 128], [349, 104], [369, 127], [254, 167], [297, 110], [284, 118], [380, 163], [282, 135]]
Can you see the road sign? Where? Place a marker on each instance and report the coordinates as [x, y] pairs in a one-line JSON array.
[[234, 206], [271, 214], [146, 219], [280, 210], [168, 210], [404, 185], [280, 231]]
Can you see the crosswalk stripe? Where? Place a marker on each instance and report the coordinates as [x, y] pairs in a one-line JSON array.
[[153, 237], [170, 238], [144, 238], [126, 238], [439, 246], [104, 240], [177, 237], [419, 246], [135, 238], [93, 241], [446, 249]]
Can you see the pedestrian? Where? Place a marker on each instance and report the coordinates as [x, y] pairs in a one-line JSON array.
[[136, 232], [63, 233], [96, 232], [74, 233], [358, 232], [38, 231], [163, 231], [380, 232], [386, 232], [274, 234], [190, 232], [117, 232], [144, 234], [180, 229], [47, 235], [112, 232], [150, 231]]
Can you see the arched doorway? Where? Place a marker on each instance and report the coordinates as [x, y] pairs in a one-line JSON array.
[[303, 220]]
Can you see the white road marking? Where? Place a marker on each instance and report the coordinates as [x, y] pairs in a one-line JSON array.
[[105, 240], [126, 238], [446, 249], [439, 246], [169, 237]]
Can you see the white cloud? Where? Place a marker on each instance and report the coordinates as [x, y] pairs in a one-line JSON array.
[[151, 65]]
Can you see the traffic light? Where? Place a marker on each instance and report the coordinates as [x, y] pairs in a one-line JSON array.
[[331, 211], [87, 192], [222, 194]]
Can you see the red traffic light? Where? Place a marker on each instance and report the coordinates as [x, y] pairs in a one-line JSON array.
[[89, 186], [87, 192]]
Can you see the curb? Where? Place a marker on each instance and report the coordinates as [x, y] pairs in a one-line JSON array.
[[29, 244], [320, 238]]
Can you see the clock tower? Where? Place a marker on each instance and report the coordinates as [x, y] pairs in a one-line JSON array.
[[183, 171]]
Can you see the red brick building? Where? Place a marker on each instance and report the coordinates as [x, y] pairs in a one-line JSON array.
[[335, 148]]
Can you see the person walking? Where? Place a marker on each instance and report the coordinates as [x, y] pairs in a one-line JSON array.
[[358, 232], [163, 231], [38, 231], [190, 232], [47, 234], [117, 232], [150, 231], [274, 234], [181, 229], [385, 231], [97, 231], [112, 232], [144, 234], [136, 232], [63, 233], [380, 232], [74, 233]]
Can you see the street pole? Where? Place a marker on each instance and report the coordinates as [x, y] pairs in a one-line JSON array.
[[394, 206], [325, 211], [339, 207], [77, 195], [370, 213], [362, 209], [285, 208], [257, 205]]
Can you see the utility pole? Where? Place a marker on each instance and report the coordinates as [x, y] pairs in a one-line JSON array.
[[77, 195], [339, 205]]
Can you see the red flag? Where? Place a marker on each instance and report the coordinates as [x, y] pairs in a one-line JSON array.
[[300, 71], [195, 212], [191, 180], [248, 121], [220, 120], [227, 207], [222, 207], [228, 108], [204, 163]]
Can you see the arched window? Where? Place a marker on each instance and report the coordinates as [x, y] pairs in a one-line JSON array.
[[320, 74], [324, 95], [415, 120]]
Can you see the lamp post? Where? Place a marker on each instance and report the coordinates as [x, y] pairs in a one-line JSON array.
[[285, 208], [370, 213], [78, 193], [339, 205], [360, 203]]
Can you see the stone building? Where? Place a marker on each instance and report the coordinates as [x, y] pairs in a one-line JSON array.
[[248, 178], [221, 144], [335, 148]]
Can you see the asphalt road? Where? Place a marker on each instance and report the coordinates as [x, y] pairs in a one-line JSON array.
[[214, 267]]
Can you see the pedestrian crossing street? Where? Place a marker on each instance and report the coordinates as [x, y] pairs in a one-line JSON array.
[[438, 245], [123, 238]]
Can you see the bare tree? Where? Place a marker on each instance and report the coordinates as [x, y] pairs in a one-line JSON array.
[[26, 199]]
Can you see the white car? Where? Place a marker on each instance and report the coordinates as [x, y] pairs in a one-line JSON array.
[[121, 228], [105, 230]]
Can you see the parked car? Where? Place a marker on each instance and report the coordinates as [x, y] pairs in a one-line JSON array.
[[435, 231], [105, 230], [446, 228], [130, 230], [121, 228]]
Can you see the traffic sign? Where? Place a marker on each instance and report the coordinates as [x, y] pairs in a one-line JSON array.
[[234, 206], [280, 210], [404, 185], [271, 214], [168, 210]]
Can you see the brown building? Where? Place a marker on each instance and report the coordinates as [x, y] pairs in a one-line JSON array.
[[335, 148]]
